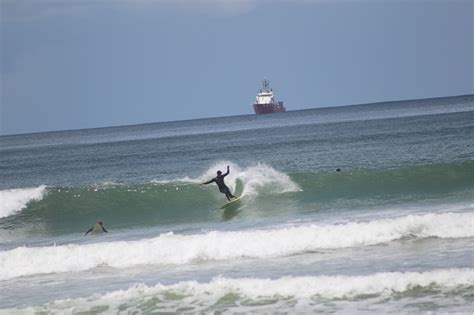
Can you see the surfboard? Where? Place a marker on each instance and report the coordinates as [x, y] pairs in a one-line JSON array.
[[232, 202]]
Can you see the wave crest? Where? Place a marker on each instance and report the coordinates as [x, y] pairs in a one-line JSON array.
[[14, 200], [252, 294], [255, 179], [170, 248]]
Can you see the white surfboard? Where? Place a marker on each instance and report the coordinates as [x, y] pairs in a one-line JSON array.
[[234, 201]]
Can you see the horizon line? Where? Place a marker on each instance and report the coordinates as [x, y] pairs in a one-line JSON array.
[[215, 117]]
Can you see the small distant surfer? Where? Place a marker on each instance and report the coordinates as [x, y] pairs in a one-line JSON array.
[[219, 180], [97, 228]]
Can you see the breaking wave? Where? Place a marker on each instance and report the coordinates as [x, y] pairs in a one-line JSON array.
[[179, 249], [265, 191], [254, 294], [136, 205], [254, 179], [14, 200]]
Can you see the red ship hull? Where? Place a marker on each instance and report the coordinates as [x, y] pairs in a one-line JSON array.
[[269, 108]]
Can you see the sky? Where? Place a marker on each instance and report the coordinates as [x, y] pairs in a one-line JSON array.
[[72, 64]]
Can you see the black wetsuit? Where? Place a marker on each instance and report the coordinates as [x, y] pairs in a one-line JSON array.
[[219, 180], [97, 228]]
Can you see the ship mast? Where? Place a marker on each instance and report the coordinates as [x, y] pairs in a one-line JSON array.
[[265, 84]]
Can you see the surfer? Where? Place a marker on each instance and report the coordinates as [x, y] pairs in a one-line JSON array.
[[219, 180], [97, 228]]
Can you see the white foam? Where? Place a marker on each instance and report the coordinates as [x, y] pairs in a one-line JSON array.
[[14, 200], [256, 179], [263, 178], [182, 249], [304, 291], [384, 283]]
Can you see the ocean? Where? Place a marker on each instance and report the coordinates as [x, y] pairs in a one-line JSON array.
[[356, 209]]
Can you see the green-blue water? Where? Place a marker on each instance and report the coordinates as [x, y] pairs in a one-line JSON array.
[[391, 231]]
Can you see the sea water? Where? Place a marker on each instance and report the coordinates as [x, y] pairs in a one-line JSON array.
[[391, 231]]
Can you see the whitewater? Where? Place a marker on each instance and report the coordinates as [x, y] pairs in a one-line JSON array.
[[215, 245], [355, 209]]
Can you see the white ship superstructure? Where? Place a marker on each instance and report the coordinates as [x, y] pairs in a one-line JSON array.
[[265, 101]]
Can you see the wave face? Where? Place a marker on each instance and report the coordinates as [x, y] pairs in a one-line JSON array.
[[282, 294], [182, 249], [418, 181], [14, 200], [64, 210], [265, 191]]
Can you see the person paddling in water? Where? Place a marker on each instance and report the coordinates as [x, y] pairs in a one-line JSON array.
[[219, 180], [97, 228]]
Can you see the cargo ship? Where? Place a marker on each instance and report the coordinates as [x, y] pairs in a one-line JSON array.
[[265, 102]]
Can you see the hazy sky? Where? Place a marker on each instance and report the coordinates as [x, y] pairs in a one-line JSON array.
[[68, 64]]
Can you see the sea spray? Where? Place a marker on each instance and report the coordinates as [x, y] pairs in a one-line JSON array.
[[256, 179]]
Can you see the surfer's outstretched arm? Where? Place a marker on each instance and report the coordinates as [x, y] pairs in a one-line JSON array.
[[224, 175], [208, 182], [103, 228], [88, 231]]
